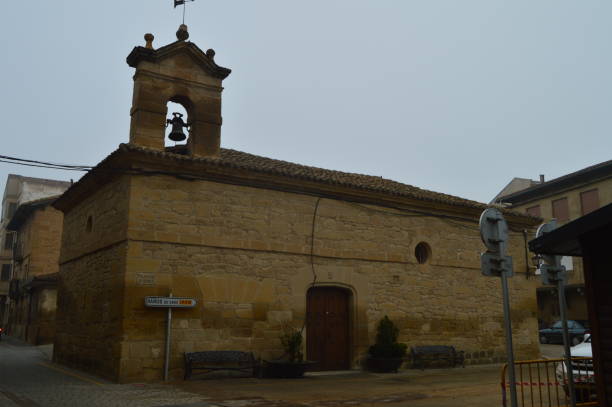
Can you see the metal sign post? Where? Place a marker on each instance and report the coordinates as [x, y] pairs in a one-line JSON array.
[[554, 273], [169, 303], [168, 340], [495, 263]]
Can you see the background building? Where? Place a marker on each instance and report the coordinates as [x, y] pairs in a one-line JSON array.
[[18, 189], [37, 233], [565, 198]]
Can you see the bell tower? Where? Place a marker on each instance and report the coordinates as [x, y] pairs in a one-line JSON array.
[[179, 72]]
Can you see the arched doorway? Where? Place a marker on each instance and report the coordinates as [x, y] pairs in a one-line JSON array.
[[327, 328]]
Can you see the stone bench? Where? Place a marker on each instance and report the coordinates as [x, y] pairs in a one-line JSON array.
[[421, 355], [216, 360]]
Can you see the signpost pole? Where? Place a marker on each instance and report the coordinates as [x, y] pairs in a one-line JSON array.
[[495, 263], [554, 272], [509, 348], [169, 302], [168, 339], [566, 342]]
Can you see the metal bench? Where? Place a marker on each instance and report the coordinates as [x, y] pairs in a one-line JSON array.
[[424, 354], [216, 360]]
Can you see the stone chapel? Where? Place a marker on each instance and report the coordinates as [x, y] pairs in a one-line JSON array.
[[263, 243]]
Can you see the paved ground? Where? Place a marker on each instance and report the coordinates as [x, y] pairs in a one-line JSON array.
[[551, 351], [473, 386], [28, 378]]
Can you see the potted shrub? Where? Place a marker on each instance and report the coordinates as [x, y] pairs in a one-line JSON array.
[[386, 355], [292, 363]]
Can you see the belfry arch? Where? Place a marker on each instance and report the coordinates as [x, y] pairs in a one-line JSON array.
[[181, 73]]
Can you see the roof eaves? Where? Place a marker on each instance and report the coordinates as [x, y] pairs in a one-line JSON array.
[[594, 173]]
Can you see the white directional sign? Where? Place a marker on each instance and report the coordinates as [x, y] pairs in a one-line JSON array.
[[170, 302]]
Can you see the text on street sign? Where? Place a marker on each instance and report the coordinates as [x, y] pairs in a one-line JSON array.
[[172, 302]]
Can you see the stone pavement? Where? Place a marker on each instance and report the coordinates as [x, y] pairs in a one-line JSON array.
[[28, 378], [473, 386]]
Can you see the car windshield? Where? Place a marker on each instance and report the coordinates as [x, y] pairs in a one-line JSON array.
[[558, 325]]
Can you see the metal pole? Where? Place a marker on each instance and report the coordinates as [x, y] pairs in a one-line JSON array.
[[168, 339], [566, 342], [509, 351]]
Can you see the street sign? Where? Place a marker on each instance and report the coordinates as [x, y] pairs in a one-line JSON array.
[[494, 234], [493, 265], [170, 302], [493, 230], [553, 272]]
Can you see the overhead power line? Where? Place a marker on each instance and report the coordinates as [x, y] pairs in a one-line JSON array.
[[43, 164]]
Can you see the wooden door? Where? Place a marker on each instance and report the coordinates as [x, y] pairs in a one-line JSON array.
[[327, 328]]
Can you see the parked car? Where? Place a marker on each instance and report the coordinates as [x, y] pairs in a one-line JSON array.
[[554, 334], [582, 371]]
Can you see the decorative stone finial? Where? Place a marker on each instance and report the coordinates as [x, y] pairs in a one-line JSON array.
[[149, 39], [182, 33]]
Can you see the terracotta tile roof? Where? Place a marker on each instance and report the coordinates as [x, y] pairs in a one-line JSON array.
[[253, 163]]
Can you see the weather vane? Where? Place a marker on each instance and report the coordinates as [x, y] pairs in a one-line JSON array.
[[184, 4]]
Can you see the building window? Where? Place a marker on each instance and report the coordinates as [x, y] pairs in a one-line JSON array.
[[589, 201], [534, 211], [8, 241], [560, 209], [5, 275], [11, 209], [422, 252]]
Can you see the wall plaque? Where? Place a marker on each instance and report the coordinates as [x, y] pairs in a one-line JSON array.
[[145, 279]]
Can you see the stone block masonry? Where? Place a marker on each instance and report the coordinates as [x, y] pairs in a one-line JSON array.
[[244, 254]]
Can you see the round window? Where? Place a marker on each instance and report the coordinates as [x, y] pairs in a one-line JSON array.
[[422, 252]]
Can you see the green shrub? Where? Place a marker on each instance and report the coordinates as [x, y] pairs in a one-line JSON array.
[[386, 345], [291, 339]]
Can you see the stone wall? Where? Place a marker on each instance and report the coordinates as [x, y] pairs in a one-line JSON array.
[[43, 248], [90, 292], [99, 221], [244, 253], [40, 239], [45, 321], [89, 321]]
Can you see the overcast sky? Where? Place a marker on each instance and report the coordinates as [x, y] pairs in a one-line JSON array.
[[454, 96]]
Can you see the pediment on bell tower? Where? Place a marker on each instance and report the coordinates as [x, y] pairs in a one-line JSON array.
[[180, 57]]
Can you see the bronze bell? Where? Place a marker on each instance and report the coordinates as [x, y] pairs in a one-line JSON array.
[[177, 127]]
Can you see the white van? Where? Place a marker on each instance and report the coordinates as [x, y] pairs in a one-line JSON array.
[[582, 371]]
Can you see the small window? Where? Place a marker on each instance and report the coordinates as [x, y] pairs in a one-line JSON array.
[[89, 226], [589, 201], [422, 252], [560, 209], [5, 275], [8, 241], [534, 211]]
